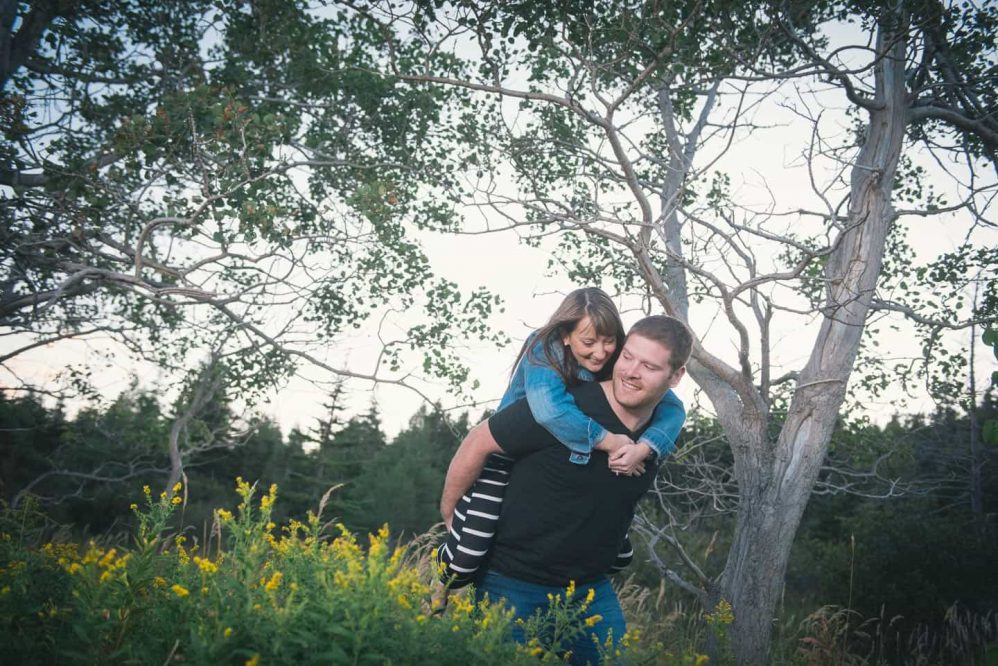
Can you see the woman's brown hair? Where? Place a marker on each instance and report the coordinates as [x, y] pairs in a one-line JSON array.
[[589, 302]]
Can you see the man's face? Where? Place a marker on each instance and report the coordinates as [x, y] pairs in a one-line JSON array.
[[642, 373]]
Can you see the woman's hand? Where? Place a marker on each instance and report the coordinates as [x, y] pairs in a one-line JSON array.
[[612, 443], [629, 460]]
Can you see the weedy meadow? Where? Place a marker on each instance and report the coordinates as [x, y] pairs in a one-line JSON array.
[[254, 593]]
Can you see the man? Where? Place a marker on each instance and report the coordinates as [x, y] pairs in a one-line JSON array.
[[564, 522]]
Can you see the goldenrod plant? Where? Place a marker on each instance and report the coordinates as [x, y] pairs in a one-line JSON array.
[[260, 594]]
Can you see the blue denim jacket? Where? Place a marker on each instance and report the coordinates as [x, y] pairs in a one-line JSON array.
[[554, 408]]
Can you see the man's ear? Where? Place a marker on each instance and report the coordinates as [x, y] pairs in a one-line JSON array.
[[676, 376]]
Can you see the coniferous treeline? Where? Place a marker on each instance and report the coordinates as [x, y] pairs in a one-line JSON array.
[[915, 554], [84, 471]]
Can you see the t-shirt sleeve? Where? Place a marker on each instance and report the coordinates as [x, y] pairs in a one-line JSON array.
[[517, 432]]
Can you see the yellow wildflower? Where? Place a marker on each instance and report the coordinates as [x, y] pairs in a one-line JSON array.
[[242, 487], [462, 604], [205, 565], [133, 506], [223, 515], [159, 581], [93, 554], [177, 486], [106, 576], [253, 661], [590, 595], [176, 500], [179, 590], [228, 632], [107, 559], [702, 660], [723, 613], [146, 490], [593, 619], [274, 582]]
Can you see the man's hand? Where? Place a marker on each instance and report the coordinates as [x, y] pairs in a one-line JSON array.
[[614, 443], [629, 460]]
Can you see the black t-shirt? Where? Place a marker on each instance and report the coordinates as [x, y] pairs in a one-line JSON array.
[[561, 521]]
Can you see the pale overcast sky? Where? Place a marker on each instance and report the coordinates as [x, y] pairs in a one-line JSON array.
[[765, 166]]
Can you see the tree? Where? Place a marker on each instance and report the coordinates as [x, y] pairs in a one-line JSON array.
[[192, 176], [610, 127], [81, 469], [401, 483]]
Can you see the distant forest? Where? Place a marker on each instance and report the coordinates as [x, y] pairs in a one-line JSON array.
[[902, 522]]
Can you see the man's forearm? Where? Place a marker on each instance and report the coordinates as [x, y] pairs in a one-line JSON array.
[[465, 467]]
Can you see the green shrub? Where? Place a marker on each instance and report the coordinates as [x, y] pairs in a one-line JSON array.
[[287, 595]]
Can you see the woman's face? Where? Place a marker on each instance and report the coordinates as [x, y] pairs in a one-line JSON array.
[[592, 351]]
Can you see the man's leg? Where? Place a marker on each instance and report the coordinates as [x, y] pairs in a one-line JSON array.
[[528, 598], [610, 624], [523, 598]]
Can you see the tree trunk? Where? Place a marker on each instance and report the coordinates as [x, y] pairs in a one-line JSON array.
[[976, 449], [775, 478]]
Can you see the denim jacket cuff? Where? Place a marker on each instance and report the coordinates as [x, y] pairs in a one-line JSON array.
[[658, 441], [596, 434]]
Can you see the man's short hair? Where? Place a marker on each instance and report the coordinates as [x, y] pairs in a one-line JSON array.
[[669, 332]]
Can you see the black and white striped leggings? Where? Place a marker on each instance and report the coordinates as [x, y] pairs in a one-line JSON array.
[[474, 526]]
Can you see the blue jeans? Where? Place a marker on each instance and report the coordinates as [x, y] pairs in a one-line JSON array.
[[527, 598]]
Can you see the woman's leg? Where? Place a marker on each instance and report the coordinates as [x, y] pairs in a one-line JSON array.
[[624, 557], [474, 524]]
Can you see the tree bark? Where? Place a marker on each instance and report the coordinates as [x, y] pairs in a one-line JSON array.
[[776, 478], [17, 47], [976, 449]]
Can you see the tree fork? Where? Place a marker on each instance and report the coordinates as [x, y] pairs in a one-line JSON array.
[[773, 499]]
